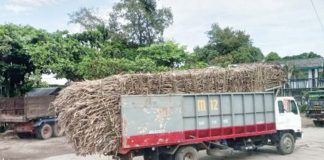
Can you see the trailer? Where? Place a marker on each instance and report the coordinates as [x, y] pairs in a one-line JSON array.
[[177, 126], [29, 114]]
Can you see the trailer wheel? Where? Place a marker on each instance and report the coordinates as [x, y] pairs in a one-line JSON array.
[[286, 144], [2, 129], [57, 130], [186, 153], [45, 131]]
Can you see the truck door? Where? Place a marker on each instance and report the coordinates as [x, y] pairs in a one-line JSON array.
[[288, 116]]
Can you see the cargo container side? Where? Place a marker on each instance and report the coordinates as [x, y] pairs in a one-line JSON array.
[[160, 120]]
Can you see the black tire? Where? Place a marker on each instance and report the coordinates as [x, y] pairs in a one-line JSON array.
[[45, 131], [57, 131], [3, 129], [286, 144], [186, 153]]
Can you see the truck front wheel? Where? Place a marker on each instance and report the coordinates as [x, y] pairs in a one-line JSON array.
[[286, 144], [45, 131], [186, 153]]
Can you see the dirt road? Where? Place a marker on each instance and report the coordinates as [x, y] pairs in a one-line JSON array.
[[310, 147]]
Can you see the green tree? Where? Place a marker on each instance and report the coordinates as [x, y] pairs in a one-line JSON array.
[[16, 64], [226, 46], [139, 22], [226, 40], [272, 56], [60, 53], [247, 54], [143, 23], [167, 54], [86, 18], [305, 55]]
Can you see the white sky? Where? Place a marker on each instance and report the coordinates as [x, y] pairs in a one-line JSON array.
[[284, 26], [51, 80]]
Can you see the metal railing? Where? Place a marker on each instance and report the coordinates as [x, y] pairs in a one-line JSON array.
[[305, 83]]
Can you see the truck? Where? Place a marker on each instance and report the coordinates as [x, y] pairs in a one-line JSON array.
[[177, 126], [29, 115], [315, 107]]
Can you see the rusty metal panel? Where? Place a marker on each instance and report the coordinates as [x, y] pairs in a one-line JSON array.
[[12, 109], [38, 106], [12, 118], [150, 120], [151, 114]]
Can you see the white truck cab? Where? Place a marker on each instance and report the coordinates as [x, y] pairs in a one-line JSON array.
[[288, 116]]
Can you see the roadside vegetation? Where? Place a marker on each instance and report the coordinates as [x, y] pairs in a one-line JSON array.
[[130, 41]]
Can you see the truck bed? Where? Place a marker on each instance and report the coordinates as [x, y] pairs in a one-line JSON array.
[[158, 120], [23, 109], [12, 109]]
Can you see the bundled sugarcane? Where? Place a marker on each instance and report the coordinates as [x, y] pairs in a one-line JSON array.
[[89, 111]]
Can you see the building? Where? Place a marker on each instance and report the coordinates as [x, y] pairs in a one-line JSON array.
[[303, 75]]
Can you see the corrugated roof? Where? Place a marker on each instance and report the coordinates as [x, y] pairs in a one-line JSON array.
[[304, 63], [42, 92]]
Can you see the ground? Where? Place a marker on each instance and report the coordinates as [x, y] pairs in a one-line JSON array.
[[310, 147]]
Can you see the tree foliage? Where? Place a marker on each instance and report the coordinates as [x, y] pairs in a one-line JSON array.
[[167, 54], [86, 18], [305, 55], [227, 46], [130, 42], [143, 23], [272, 56], [139, 22], [16, 64]]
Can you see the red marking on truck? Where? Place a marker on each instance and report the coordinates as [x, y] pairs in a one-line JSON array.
[[195, 136]]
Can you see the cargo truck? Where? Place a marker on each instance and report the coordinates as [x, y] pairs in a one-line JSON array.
[[29, 115], [315, 107], [177, 126]]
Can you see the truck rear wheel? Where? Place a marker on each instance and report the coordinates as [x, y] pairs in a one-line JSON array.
[[286, 144], [186, 153], [57, 130], [45, 131]]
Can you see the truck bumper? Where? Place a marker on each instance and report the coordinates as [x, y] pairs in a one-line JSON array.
[[299, 134]]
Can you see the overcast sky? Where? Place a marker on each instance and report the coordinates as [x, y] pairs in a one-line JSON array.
[[284, 26]]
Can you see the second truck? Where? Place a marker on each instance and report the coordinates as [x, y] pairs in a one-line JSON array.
[[29, 115], [315, 107]]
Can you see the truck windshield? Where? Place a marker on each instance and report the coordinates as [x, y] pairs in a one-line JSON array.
[[287, 106]]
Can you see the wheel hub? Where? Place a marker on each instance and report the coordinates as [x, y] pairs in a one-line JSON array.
[[188, 156], [288, 143]]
